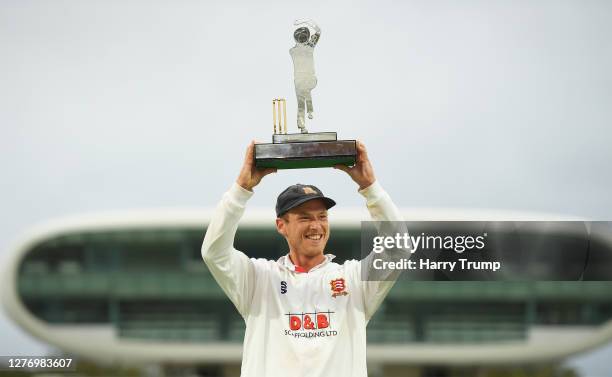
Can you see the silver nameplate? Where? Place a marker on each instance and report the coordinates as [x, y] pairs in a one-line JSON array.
[[296, 138]]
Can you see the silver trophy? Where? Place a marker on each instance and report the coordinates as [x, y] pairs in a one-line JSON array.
[[304, 149]]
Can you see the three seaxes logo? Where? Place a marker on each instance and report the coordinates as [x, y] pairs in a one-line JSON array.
[[338, 287]]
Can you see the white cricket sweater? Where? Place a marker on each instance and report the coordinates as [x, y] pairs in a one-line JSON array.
[[297, 323]]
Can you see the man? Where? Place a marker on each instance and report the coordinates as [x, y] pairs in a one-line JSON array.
[[305, 315]]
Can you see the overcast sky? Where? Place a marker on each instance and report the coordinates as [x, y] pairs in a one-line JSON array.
[[137, 104]]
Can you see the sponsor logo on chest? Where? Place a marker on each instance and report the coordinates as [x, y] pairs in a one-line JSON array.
[[310, 324], [313, 324], [309, 321]]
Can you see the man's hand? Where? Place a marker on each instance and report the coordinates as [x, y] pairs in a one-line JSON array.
[[250, 176], [362, 172]]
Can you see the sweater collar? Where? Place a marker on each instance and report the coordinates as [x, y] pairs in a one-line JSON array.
[[285, 261]]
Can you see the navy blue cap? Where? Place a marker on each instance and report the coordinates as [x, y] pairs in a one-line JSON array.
[[297, 194]]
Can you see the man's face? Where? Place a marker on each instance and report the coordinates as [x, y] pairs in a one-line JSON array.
[[306, 228]]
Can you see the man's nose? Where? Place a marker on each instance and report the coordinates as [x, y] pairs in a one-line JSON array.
[[315, 224]]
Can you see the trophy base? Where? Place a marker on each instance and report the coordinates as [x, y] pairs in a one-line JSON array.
[[306, 154]]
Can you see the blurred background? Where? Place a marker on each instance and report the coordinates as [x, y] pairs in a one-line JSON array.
[[131, 118]]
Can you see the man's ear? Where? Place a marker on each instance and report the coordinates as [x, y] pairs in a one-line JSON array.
[[280, 226]]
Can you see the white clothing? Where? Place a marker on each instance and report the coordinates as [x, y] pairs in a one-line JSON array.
[[297, 323]]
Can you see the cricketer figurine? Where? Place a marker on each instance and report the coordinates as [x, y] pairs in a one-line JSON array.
[[303, 68], [305, 314]]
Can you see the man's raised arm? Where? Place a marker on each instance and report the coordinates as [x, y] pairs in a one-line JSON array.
[[381, 208], [232, 269], [377, 200]]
